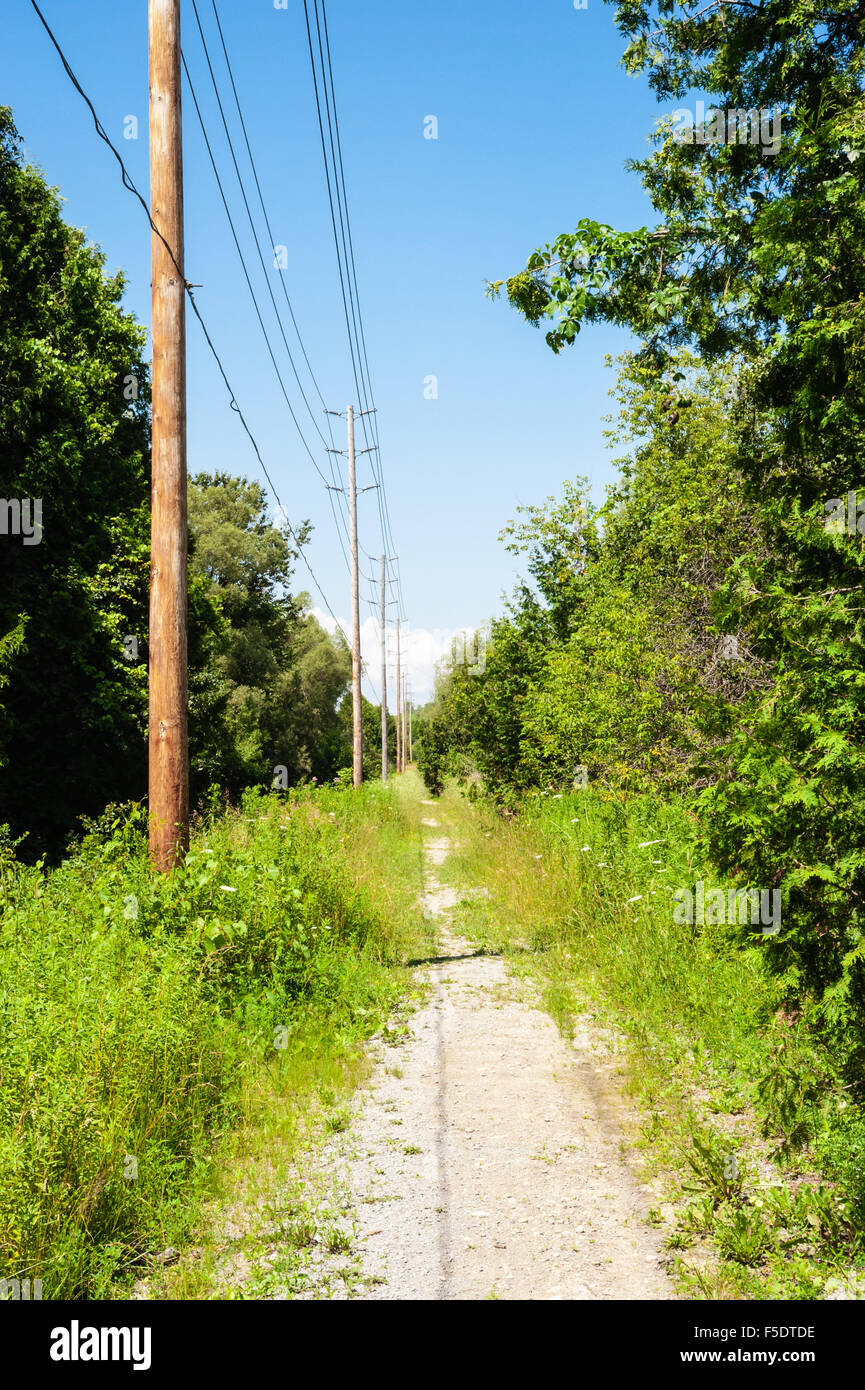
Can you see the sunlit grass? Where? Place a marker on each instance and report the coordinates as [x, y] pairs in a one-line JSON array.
[[156, 1032], [578, 896]]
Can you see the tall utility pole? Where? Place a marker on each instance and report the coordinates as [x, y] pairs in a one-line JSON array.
[[398, 706], [356, 706], [383, 673], [168, 739]]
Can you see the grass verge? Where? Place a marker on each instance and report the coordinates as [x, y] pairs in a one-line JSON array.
[[759, 1148], [149, 1026]]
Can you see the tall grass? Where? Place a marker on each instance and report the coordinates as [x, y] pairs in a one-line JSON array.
[[136, 1009], [587, 883], [578, 892]]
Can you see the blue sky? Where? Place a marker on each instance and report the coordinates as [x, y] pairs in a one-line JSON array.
[[536, 118]]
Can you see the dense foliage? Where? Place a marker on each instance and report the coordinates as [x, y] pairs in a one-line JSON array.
[[74, 430], [700, 635], [278, 677], [135, 1007], [266, 681]]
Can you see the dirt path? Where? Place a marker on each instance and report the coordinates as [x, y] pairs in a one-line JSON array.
[[485, 1160]]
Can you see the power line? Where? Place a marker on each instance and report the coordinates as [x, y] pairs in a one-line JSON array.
[[246, 270], [347, 252], [267, 277], [338, 514], [345, 249], [330, 192], [383, 499], [261, 200], [233, 403], [342, 236], [264, 269]]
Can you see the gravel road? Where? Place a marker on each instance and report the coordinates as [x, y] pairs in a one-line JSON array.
[[484, 1161]]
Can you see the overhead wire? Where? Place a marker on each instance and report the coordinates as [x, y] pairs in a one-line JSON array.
[[341, 228], [244, 266], [383, 497], [255, 299], [347, 272], [264, 208], [337, 512], [129, 184], [346, 262]]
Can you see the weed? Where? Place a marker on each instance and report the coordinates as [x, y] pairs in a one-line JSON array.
[[147, 1020], [336, 1241], [338, 1122], [742, 1236], [715, 1169], [300, 1233]]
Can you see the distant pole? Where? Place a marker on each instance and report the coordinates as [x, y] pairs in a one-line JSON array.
[[410, 742], [398, 706], [404, 741], [383, 673], [356, 708], [168, 752]]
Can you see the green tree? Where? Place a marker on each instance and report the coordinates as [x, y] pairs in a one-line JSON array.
[[74, 394], [280, 676], [757, 252]]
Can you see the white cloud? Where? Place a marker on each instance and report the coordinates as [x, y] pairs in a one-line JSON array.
[[420, 649]]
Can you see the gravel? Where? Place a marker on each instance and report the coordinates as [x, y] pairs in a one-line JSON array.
[[484, 1159]]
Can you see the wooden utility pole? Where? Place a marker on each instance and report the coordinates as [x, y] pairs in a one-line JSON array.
[[383, 673], [404, 740], [410, 742], [398, 706], [168, 739], [356, 705]]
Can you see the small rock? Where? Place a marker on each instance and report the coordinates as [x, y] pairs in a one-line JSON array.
[[169, 1256]]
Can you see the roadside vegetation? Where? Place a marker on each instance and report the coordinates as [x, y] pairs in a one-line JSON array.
[[743, 1118], [674, 695], [148, 1024], [151, 1027], [687, 655]]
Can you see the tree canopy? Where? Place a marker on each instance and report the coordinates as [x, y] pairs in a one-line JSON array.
[[700, 634], [265, 679]]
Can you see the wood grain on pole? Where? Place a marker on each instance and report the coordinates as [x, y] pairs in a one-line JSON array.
[[356, 705], [383, 672], [168, 739]]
